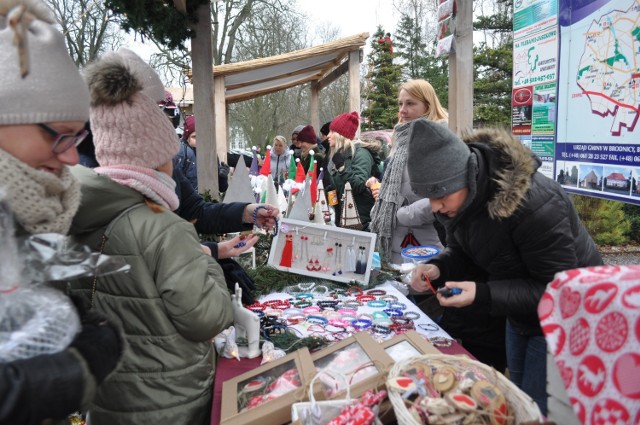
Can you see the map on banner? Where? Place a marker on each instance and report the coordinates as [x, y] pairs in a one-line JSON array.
[[602, 75]]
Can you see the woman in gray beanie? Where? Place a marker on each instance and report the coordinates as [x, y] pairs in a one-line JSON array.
[[510, 229], [42, 116]]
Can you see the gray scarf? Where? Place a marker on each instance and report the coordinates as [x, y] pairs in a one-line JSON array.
[[383, 214], [41, 201]]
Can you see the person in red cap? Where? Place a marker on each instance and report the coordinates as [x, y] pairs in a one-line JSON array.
[[186, 158], [308, 142], [351, 161]]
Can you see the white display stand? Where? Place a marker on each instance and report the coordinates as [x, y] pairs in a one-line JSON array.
[[322, 251]]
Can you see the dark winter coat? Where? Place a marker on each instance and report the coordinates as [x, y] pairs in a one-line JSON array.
[[185, 161], [358, 167], [519, 231]]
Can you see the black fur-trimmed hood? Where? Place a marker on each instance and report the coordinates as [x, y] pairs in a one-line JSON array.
[[514, 166]]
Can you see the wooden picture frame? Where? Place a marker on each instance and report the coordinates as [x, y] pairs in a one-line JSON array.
[[235, 395]]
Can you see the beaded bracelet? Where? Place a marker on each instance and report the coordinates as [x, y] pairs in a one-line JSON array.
[[304, 296], [354, 290], [306, 287], [311, 309], [411, 315], [321, 290], [399, 328], [315, 328], [295, 319], [429, 327], [317, 320], [255, 218], [272, 312], [377, 304], [376, 292], [331, 314], [347, 312], [323, 304], [365, 298], [353, 304], [380, 329], [440, 341], [393, 312], [361, 324], [302, 304], [334, 328], [397, 305], [277, 304], [388, 298], [339, 322], [293, 312]]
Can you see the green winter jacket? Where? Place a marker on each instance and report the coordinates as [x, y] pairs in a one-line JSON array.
[[357, 170], [171, 303]]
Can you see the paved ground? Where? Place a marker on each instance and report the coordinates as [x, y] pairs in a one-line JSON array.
[[621, 255]]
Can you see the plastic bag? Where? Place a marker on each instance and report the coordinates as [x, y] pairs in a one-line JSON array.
[[36, 319], [314, 412]]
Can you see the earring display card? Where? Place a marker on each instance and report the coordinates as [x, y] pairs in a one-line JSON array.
[[324, 252]]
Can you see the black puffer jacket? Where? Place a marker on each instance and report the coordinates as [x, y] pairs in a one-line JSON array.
[[518, 232]]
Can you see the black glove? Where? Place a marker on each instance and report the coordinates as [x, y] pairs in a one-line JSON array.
[[101, 344], [338, 160], [223, 170], [233, 273]]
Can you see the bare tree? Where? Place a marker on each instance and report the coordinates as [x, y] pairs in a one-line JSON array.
[[88, 27]]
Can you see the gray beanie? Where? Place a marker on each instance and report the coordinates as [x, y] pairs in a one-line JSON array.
[[437, 159], [298, 129], [51, 88]]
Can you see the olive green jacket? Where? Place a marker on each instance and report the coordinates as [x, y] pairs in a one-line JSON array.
[[171, 303]]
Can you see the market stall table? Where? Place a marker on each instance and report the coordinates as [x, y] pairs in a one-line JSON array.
[[230, 368]]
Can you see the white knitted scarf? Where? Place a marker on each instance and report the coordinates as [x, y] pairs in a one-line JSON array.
[[41, 201]]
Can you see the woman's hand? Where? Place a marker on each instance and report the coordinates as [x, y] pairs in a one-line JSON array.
[[234, 247], [422, 275], [265, 218], [463, 299], [374, 186]]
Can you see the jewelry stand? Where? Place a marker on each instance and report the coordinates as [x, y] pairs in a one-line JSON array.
[[323, 252], [247, 326]]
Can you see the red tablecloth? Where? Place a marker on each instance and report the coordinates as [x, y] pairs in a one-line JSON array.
[[230, 368]]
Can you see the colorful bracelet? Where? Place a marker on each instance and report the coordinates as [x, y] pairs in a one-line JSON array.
[[255, 218], [348, 312], [293, 312], [393, 312], [353, 304], [302, 304], [324, 304], [377, 292], [354, 290], [440, 341], [388, 298], [295, 319], [311, 309], [397, 305], [411, 315], [361, 324], [377, 304], [304, 296], [380, 329], [315, 328], [365, 298], [317, 320]]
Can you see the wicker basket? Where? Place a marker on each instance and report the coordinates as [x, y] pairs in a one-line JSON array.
[[522, 407]]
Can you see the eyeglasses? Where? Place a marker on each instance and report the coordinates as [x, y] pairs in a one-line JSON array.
[[62, 142]]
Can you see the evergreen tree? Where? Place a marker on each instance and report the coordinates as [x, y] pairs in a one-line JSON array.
[[383, 78], [410, 48], [493, 67]]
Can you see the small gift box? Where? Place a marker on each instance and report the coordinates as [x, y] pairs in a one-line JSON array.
[[265, 394], [360, 359], [408, 344]]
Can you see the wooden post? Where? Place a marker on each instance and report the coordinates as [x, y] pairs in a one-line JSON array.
[[354, 81], [220, 116], [315, 114], [461, 72], [202, 59]]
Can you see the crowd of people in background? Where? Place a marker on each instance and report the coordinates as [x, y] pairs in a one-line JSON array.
[[143, 354]]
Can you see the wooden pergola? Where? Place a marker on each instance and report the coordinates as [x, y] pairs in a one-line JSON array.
[[214, 89]]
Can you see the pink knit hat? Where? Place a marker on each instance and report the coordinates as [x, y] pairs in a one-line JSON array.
[[346, 125], [128, 127]]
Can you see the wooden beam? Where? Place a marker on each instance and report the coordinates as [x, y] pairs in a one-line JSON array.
[[202, 58], [354, 81], [461, 98], [220, 115], [315, 115], [334, 75]]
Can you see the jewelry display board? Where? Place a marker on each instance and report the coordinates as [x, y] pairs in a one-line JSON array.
[[324, 252]]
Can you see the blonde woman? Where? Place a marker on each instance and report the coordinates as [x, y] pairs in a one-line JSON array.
[[351, 161], [399, 215], [279, 159]]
